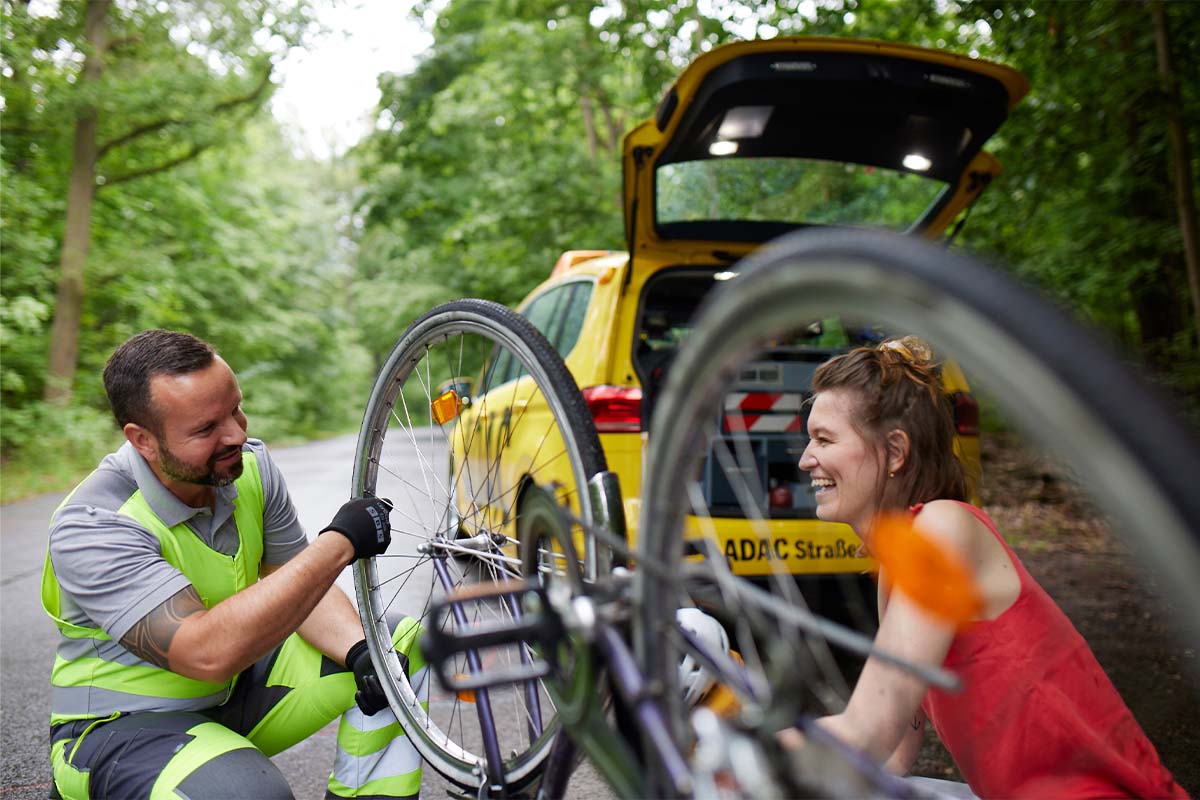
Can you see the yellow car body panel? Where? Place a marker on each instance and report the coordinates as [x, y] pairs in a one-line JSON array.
[[512, 419]]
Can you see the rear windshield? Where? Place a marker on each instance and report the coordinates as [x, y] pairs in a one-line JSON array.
[[790, 191]]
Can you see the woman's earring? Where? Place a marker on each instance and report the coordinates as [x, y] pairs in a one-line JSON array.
[[891, 474]]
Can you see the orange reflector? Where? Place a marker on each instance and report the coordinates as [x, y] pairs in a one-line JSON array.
[[931, 577], [466, 695], [444, 407]]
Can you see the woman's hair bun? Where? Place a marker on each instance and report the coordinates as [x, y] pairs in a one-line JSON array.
[[909, 358], [910, 348]]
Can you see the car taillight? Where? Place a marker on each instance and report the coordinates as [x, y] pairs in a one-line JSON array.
[[966, 414], [615, 409]]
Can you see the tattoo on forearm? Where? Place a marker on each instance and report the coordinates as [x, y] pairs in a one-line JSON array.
[[150, 638], [918, 722]]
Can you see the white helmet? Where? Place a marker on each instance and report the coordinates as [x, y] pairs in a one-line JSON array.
[[694, 679]]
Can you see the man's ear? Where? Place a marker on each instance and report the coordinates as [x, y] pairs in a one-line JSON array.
[[142, 440], [898, 447]]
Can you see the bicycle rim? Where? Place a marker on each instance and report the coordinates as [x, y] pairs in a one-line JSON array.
[[1049, 375], [457, 487]]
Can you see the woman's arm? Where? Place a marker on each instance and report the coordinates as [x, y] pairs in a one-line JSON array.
[[886, 699], [880, 714], [910, 746]]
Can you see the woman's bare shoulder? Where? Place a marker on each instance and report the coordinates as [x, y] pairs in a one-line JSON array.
[[955, 527], [952, 524]]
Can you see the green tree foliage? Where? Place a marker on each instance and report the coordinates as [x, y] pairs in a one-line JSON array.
[[244, 244], [159, 84], [499, 152], [501, 149], [1087, 207], [247, 250]]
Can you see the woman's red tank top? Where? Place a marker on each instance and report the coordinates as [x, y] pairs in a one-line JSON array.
[[1037, 716]]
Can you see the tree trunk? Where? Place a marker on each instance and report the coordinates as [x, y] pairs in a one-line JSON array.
[[614, 123], [1156, 296], [589, 121], [77, 233], [1185, 198]]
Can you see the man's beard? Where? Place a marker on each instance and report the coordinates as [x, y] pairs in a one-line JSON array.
[[207, 475]]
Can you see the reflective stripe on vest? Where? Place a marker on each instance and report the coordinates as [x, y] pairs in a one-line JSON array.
[[94, 676]]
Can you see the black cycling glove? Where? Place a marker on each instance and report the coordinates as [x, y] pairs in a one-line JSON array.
[[364, 521], [369, 697]]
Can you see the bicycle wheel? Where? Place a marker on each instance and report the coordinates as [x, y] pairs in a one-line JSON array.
[[470, 466], [1049, 375]]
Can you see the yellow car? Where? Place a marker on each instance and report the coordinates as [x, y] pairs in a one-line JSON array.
[[753, 140]]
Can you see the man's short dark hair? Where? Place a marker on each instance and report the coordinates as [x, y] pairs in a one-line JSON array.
[[129, 370]]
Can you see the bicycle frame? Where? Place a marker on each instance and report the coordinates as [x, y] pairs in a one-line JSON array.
[[590, 623], [589, 731]]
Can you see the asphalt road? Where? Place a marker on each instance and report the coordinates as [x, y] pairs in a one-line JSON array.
[[318, 476]]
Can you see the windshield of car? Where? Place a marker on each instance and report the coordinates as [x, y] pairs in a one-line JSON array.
[[791, 191]]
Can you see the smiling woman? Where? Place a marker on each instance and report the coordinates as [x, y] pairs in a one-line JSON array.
[[881, 445], [882, 410], [846, 470]]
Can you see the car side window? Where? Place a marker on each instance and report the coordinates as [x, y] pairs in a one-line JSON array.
[[558, 315], [498, 363], [573, 312], [543, 312]]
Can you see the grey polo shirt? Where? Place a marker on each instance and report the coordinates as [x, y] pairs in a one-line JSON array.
[[111, 569]]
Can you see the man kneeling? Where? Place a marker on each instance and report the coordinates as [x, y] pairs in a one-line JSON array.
[[200, 632]]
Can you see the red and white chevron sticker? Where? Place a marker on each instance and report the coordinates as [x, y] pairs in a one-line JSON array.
[[763, 412]]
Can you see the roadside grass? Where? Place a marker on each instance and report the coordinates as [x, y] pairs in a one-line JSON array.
[[47, 449], [24, 476]]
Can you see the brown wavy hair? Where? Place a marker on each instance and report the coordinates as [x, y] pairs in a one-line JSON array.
[[898, 386]]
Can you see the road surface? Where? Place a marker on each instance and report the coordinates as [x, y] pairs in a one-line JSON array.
[[318, 476]]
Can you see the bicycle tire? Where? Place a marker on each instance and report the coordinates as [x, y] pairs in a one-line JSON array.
[[1049, 373], [440, 735]]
